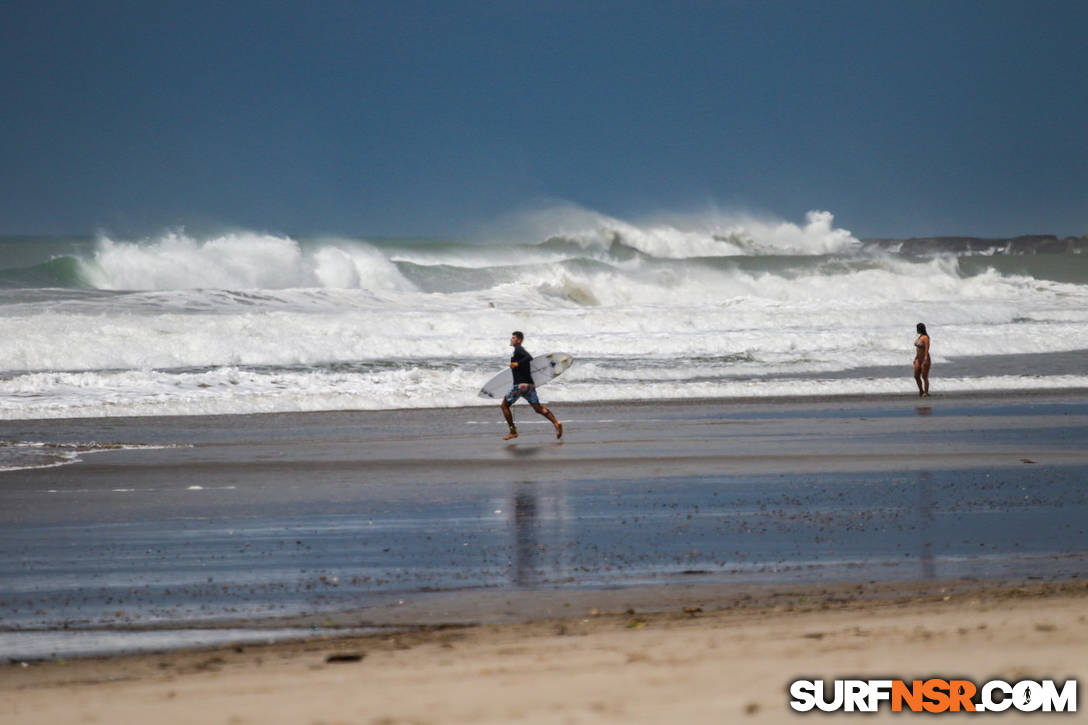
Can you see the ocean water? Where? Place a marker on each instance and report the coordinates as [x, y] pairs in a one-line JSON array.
[[244, 321]]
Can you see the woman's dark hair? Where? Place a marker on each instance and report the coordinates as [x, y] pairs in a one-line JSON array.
[[922, 328]]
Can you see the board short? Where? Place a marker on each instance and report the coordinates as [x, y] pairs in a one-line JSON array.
[[529, 394]]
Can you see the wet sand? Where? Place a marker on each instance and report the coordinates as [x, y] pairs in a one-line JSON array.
[[319, 460], [816, 537]]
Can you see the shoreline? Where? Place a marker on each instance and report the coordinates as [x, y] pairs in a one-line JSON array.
[[1010, 395]]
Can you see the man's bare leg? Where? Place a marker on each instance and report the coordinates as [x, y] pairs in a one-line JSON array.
[[548, 414], [506, 413]]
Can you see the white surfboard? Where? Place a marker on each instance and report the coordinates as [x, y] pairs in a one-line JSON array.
[[544, 368]]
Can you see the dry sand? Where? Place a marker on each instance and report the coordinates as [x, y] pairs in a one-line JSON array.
[[703, 665]]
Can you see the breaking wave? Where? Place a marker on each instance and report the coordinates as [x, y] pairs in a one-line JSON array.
[[237, 261], [703, 305]]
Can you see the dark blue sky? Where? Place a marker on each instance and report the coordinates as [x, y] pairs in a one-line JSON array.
[[401, 118]]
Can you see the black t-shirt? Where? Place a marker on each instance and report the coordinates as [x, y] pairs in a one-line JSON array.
[[522, 373]]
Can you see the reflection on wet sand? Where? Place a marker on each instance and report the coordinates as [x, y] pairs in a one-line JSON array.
[[526, 544], [926, 524], [539, 524], [517, 451]]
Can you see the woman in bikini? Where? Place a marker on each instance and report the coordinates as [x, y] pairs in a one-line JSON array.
[[922, 361]]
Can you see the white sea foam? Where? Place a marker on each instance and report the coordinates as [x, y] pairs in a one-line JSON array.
[[235, 391], [692, 235], [23, 455], [803, 319], [709, 305]]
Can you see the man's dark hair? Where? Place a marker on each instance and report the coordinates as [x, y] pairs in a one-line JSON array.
[[519, 334]]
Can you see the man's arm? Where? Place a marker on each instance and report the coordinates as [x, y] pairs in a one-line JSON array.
[[520, 356]]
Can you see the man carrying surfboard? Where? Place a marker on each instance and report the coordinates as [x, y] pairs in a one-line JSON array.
[[524, 387]]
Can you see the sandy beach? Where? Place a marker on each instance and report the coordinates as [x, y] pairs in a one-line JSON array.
[[710, 660], [662, 563]]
